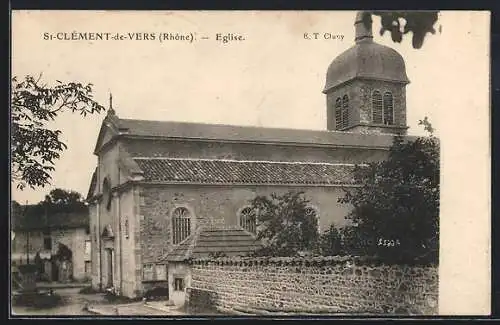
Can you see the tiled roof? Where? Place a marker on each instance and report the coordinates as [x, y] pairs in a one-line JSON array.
[[237, 172], [232, 241], [28, 217], [205, 131]]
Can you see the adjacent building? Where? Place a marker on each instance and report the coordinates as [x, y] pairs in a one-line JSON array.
[[59, 243], [158, 185]]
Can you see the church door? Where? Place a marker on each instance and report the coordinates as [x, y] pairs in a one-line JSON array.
[[110, 266]]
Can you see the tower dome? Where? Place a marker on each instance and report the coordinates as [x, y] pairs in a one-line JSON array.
[[366, 59]]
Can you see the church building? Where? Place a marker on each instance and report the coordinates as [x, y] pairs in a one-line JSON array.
[[157, 182]]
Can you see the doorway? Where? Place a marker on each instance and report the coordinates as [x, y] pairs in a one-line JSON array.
[[109, 258]]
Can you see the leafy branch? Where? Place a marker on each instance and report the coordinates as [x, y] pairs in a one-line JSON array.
[[34, 146]]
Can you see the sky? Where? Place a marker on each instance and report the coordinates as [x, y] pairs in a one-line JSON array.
[[273, 78]]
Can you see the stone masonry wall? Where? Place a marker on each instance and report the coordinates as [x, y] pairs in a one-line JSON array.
[[313, 285], [217, 205], [360, 100]]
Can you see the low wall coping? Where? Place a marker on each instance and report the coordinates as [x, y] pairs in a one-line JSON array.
[[308, 260]]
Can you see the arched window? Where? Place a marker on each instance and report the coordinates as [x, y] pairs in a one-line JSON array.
[[248, 220], [338, 114], [388, 109], [345, 111], [313, 212], [106, 194], [377, 116], [181, 224]]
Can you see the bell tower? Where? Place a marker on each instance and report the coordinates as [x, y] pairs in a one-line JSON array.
[[366, 86]]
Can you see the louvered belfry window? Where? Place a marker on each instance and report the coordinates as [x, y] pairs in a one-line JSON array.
[[345, 111], [338, 114], [181, 224], [388, 109], [248, 220], [342, 113], [377, 116]]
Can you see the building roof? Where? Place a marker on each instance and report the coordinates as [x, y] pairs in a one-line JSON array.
[[213, 171], [231, 241], [366, 59], [31, 218], [237, 133]]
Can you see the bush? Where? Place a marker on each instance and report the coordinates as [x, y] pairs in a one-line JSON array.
[[88, 290], [112, 297], [37, 300], [156, 293]]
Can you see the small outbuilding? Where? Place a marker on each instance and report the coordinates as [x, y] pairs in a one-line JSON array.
[[205, 242]]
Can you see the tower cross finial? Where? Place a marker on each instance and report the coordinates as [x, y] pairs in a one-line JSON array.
[[363, 26]]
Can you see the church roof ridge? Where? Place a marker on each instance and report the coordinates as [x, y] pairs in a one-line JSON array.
[[249, 161], [250, 134], [129, 121]]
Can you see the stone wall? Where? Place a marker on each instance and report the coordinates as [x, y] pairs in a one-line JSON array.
[[360, 100], [313, 285], [218, 205]]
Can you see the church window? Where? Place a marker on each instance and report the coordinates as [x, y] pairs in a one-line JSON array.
[[377, 116], [181, 224], [338, 114], [345, 111], [106, 189], [248, 220], [388, 109]]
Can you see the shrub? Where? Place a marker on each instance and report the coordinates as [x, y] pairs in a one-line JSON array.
[[88, 290]]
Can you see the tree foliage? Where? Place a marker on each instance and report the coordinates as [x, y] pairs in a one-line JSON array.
[[60, 200], [34, 146], [395, 211], [284, 225], [418, 22], [330, 242], [57, 201]]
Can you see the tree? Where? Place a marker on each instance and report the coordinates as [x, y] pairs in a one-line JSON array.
[[57, 201], [330, 242], [34, 146], [67, 203], [284, 225], [60, 200], [395, 211], [418, 22]]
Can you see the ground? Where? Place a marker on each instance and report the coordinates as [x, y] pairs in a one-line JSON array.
[[74, 303]]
